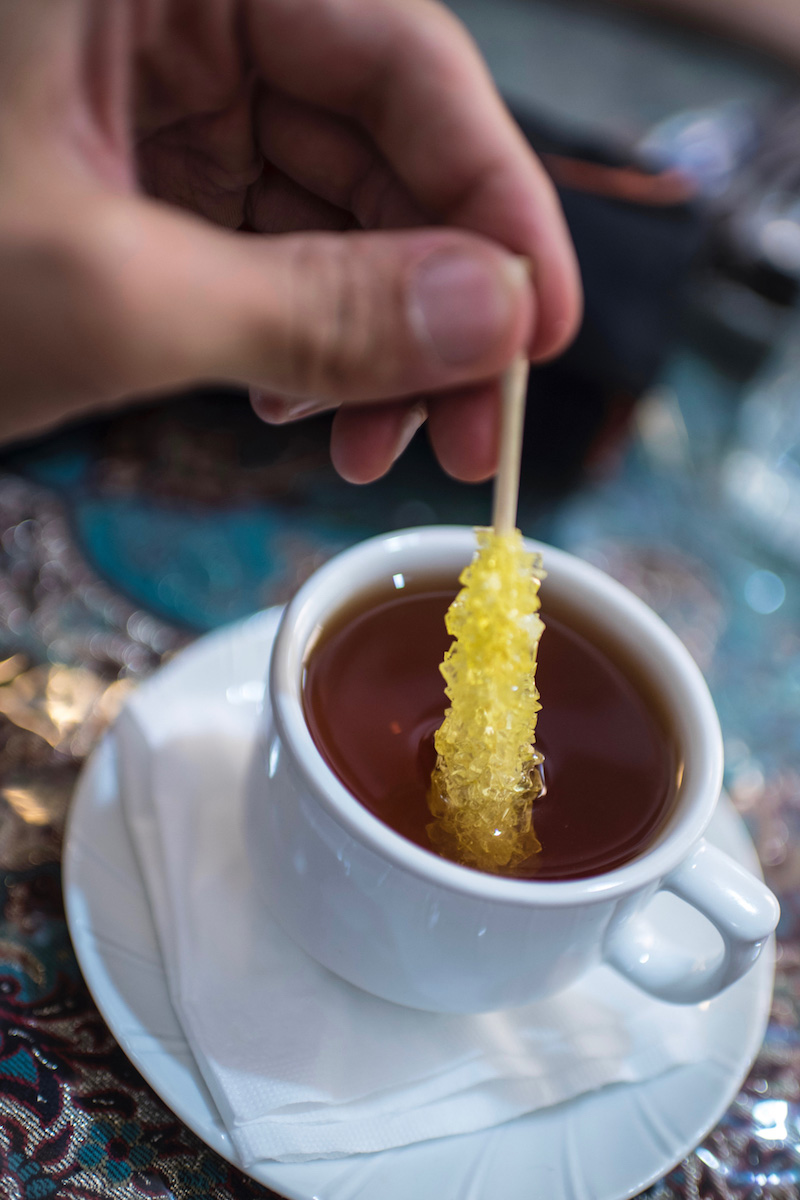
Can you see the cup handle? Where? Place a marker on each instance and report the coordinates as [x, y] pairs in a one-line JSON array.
[[741, 908]]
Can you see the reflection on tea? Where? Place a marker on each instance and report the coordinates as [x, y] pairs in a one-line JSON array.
[[374, 698]]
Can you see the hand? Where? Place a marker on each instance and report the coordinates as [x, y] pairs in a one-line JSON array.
[[149, 145]]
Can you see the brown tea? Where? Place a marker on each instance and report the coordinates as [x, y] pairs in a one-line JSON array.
[[374, 699]]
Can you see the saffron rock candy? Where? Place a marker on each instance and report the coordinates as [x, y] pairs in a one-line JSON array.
[[487, 773]]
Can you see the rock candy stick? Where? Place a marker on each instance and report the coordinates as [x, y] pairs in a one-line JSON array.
[[486, 777], [506, 483]]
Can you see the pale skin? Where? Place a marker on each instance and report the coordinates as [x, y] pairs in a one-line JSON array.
[[324, 201]]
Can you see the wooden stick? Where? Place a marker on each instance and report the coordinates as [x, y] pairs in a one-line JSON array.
[[512, 419]]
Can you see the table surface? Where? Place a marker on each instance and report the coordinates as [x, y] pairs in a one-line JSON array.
[[121, 542]]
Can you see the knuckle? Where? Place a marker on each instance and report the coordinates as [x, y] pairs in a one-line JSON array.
[[335, 342]]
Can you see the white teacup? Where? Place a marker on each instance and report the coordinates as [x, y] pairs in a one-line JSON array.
[[422, 931]]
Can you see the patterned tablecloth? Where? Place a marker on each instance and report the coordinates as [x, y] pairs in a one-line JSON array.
[[120, 543]]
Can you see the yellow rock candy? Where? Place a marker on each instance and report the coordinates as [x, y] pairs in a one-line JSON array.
[[486, 777]]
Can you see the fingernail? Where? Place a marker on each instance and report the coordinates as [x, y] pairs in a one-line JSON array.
[[267, 405], [304, 408], [415, 417], [460, 304], [277, 410]]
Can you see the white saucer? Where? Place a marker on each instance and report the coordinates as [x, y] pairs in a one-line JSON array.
[[606, 1145]]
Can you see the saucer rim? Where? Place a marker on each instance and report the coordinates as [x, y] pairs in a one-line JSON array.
[[270, 1173]]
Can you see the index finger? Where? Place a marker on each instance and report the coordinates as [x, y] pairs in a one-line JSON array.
[[409, 73]]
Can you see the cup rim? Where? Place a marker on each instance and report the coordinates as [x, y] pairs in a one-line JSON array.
[[330, 586]]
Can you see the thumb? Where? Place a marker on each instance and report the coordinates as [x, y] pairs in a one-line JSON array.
[[331, 317]]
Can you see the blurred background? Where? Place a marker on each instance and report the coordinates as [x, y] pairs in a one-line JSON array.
[[665, 447]]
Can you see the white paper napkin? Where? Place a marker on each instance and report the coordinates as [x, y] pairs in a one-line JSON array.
[[301, 1064]]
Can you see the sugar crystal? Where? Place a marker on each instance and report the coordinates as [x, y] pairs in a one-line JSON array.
[[487, 774]]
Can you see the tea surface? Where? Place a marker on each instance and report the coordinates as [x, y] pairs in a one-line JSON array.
[[374, 699]]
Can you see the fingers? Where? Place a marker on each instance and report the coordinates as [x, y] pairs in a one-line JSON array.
[[207, 161], [464, 429], [276, 204], [398, 66], [282, 410], [330, 158], [340, 319], [143, 298], [366, 441], [463, 426]]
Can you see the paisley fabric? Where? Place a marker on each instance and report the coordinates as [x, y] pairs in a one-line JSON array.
[[119, 543]]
